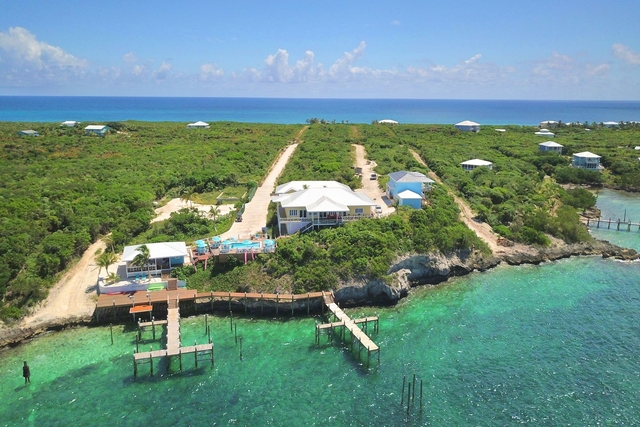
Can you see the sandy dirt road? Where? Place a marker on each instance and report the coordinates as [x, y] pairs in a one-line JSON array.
[[371, 187]]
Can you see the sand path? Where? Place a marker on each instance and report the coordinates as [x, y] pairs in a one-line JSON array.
[[174, 205], [371, 187], [73, 297], [482, 229]]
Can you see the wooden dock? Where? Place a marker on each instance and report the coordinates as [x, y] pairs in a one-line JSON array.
[[108, 306], [173, 346], [623, 225], [345, 323]]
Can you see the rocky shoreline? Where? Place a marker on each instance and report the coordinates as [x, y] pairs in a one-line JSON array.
[[407, 272]]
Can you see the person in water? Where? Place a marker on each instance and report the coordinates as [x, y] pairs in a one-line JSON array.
[[26, 373]]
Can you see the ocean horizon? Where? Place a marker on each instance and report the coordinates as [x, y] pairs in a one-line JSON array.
[[299, 110]]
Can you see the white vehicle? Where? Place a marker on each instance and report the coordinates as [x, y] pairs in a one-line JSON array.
[[378, 209]]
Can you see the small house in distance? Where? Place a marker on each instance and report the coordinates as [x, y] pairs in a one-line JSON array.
[[552, 124], [408, 188], [388, 122], [551, 146], [470, 165], [586, 160], [28, 133], [545, 132], [69, 123], [611, 124], [99, 130], [198, 125], [467, 126]]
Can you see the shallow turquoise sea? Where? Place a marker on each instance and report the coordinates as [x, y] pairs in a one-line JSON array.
[[554, 344]]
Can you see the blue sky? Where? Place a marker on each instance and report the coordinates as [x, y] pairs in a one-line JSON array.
[[496, 49]]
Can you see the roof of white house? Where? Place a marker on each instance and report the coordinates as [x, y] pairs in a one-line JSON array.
[[157, 250], [95, 127], [198, 124], [476, 162], [408, 194], [405, 176], [548, 122], [611, 124], [587, 154], [467, 123], [500, 130], [316, 199], [551, 144], [28, 132], [393, 122], [545, 133], [69, 123], [293, 186]]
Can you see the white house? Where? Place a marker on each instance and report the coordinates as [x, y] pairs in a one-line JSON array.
[[551, 146], [467, 126], [545, 132], [587, 160], [388, 121], [198, 125], [318, 204], [69, 123], [611, 124], [470, 165], [163, 257], [28, 133], [548, 124], [99, 130]]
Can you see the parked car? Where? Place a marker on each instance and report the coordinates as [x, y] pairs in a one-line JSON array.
[[378, 209], [239, 218], [373, 177]]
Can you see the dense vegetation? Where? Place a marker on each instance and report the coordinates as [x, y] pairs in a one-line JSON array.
[[62, 190]]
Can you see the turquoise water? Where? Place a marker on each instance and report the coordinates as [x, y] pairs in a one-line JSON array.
[[240, 245], [554, 344], [619, 205], [275, 110]]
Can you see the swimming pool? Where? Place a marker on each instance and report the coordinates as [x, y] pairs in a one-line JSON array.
[[242, 245]]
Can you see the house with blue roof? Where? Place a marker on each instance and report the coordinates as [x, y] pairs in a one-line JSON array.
[[408, 188]]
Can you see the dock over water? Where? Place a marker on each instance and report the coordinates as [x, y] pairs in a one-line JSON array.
[[347, 324], [173, 345]]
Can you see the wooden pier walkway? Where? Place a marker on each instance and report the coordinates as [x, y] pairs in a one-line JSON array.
[[351, 325], [606, 223], [173, 345]]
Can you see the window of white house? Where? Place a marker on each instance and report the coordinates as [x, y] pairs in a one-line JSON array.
[[293, 212], [359, 211]]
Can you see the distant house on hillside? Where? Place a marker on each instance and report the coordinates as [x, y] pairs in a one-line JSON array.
[[550, 146], [467, 126], [408, 188], [28, 133], [388, 122], [99, 130], [69, 123], [552, 124], [545, 132], [302, 205], [470, 165], [611, 124], [198, 125], [586, 160]]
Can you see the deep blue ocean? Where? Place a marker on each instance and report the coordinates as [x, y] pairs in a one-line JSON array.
[[292, 111]]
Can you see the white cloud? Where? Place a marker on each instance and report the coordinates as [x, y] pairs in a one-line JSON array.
[[138, 70], [21, 52], [163, 71], [343, 67], [467, 71], [129, 58], [561, 68], [210, 72], [625, 53]]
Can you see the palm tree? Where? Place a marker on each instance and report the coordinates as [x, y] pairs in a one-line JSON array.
[[142, 258], [213, 214], [186, 196], [105, 259]]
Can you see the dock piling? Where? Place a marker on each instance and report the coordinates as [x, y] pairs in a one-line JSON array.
[[404, 380], [111, 329]]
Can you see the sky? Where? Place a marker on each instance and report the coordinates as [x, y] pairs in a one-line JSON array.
[[420, 49]]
